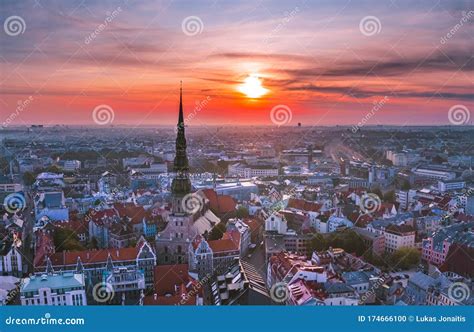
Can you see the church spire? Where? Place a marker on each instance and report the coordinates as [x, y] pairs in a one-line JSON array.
[[181, 184], [181, 116]]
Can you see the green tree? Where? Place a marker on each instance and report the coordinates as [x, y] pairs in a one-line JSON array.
[[374, 259], [66, 239], [348, 240], [406, 185], [390, 196], [405, 258], [28, 178], [54, 169], [217, 231], [242, 212], [318, 242]]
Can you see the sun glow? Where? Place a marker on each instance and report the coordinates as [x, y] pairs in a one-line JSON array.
[[252, 87]]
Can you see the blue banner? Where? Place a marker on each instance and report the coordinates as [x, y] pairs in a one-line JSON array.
[[237, 318]]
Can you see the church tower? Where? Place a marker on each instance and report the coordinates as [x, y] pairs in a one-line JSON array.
[[172, 243], [181, 185]]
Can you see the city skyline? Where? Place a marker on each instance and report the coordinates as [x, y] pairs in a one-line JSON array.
[[330, 63]]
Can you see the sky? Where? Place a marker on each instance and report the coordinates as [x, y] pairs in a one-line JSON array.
[[319, 62]]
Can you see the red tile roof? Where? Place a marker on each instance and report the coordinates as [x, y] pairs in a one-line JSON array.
[[76, 225], [221, 203], [98, 216], [301, 204], [173, 286], [132, 211], [168, 276], [94, 256], [230, 242], [44, 247]]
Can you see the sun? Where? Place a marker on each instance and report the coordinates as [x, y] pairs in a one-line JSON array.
[[252, 87]]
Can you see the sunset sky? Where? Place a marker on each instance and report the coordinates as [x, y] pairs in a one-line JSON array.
[[310, 56]]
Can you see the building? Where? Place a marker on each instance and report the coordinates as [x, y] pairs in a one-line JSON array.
[[374, 241], [107, 182], [276, 223], [175, 286], [470, 205], [49, 182], [239, 190], [433, 172], [287, 268], [213, 256], [250, 171], [11, 262], [241, 284], [240, 226], [419, 287], [128, 284], [436, 247], [71, 165], [448, 185], [51, 204], [7, 185], [397, 159], [121, 235], [396, 235], [99, 223], [54, 289], [184, 222], [94, 263]]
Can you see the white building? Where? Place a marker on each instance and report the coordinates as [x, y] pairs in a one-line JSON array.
[[10, 187], [396, 236], [434, 173], [276, 223], [244, 230], [11, 263], [447, 185], [54, 289], [71, 165], [246, 171]]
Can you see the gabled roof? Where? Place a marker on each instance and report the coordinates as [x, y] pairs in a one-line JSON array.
[[229, 242], [135, 212], [222, 204], [301, 204]]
